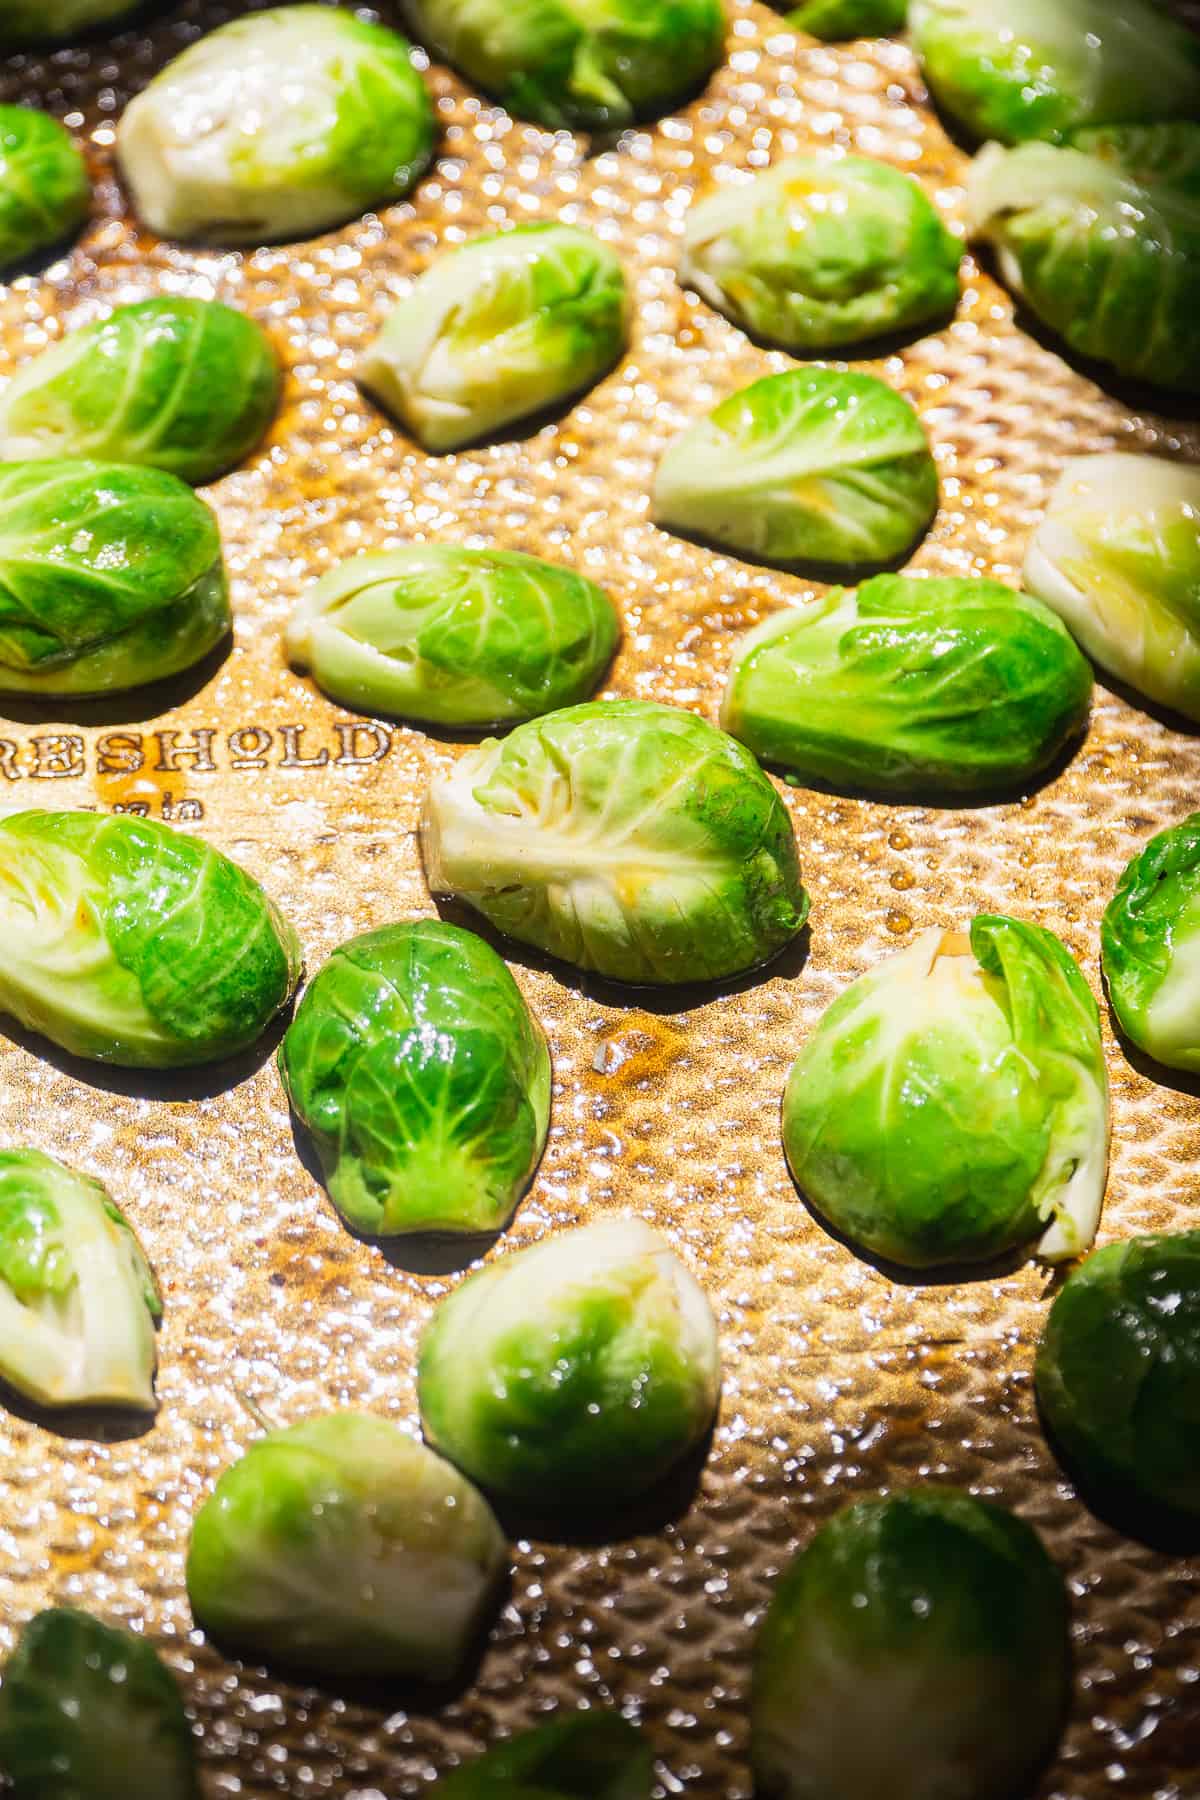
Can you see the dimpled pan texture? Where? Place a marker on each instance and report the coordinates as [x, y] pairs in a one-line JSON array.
[[840, 1381]]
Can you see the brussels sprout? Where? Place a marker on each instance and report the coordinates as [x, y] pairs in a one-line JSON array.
[[277, 125], [1150, 943], [44, 187], [1118, 558], [497, 331], [345, 1547], [26, 22], [628, 838], [78, 1301], [593, 65], [414, 1061], [183, 385], [579, 1370], [1039, 68], [917, 1647], [1118, 1373], [1101, 238], [953, 1103], [458, 637], [586, 1756], [130, 943], [818, 253], [110, 576], [807, 466], [833, 19], [952, 685], [88, 1712]]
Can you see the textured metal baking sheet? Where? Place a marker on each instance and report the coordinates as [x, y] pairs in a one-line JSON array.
[[839, 1381]]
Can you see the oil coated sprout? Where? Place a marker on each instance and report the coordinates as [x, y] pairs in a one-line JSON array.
[[343, 1547], [816, 253], [457, 637], [277, 125], [1118, 558], [184, 385], [633, 839], [44, 187], [498, 331], [24, 23], [952, 1104], [1150, 946], [916, 1647], [578, 1371], [834, 19], [425, 1080], [88, 1712], [940, 685], [586, 1756], [130, 943], [810, 466]]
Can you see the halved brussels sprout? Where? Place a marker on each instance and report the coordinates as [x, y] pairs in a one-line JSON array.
[[580, 1370], [1150, 946], [1102, 239], [817, 253], [593, 65], [1039, 68], [1118, 1373], [425, 1080], [280, 124], [110, 576], [916, 1647], [44, 186], [834, 19], [628, 838], [1118, 558], [497, 331], [808, 466], [343, 1546], [130, 943], [458, 637], [28, 22], [953, 1102], [88, 1712], [586, 1756], [183, 385], [78, 1300]]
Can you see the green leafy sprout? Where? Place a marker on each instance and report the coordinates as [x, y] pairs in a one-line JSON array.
[[25, 23], [585, 1756], [44, 186], [842, 19], [1150, 946]]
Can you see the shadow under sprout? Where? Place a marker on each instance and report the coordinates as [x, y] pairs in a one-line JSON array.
[[99, 1424], [133, 706]]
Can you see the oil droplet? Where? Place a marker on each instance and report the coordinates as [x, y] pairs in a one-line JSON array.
[[902, 880], [898, 923], [899, 840]]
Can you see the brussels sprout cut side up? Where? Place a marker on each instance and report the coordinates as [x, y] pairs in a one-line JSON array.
[[1101, 239], [88, 1712], [810, 466], [947, 686], [127, 942], [24, 23], [280, 124], [416, 1064], [592, 65], [1150, 944], [1118, 1376], [44, 187], [834, 19], [184, 385], [816, 253], [576, 1372], [587, 1756], [457, 637], [953, 1103], [497, 331], [624, 837], [343, 1547], [1118, 558], [917, 1647]]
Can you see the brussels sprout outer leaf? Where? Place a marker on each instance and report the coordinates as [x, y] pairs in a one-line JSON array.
[[416, 1064], [342, 1545], [809, 466], [816, 253], [44, 187], [454, 636], [917, 1646], [954, 685], [586, 1756], [135, 944], [184, 385], [834, 19], [27, 22], [625, 837], [1150, 943], [1118, 1371], [580, 1370], [88, 1712]]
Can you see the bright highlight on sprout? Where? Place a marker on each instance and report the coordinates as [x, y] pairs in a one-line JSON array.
[[44, 187]]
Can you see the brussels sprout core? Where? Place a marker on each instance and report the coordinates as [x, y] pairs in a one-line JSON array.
[[588, 1756], [1150, 941], [44, 187], [579, 1370]]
